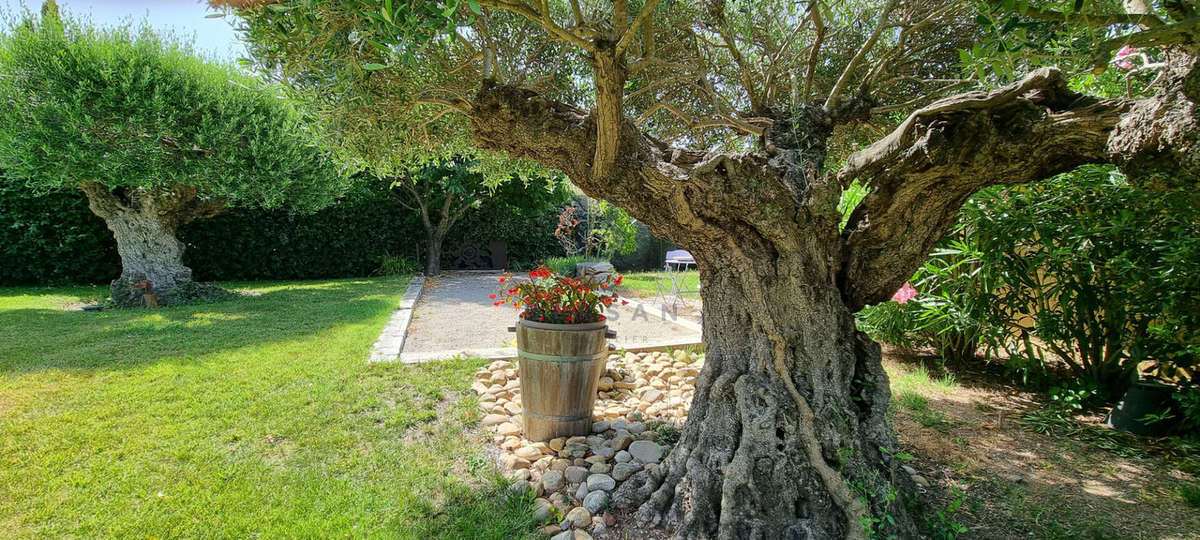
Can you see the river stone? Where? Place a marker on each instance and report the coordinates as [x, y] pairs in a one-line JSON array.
[[622, 471], [552, 481], [579, 517], [595, 501], [582, 491], [601, 481], [622, 457], [528, 452], [621, 441], [494, 419], [543, 510], [576, 475], [600, 427], [637, 427], [646, 451], [600, 468], [604, 451]]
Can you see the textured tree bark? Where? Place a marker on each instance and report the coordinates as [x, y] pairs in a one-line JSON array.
[[788, 435], [144, 225], [433, 266]]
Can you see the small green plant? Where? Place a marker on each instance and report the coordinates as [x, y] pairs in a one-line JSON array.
[[396, 265], [668, 434], [941, 524], [1075, 395], [565, 266], [1190, 493], [1189, 408]]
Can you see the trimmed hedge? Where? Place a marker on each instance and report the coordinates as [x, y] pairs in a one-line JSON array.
[[54, 239]]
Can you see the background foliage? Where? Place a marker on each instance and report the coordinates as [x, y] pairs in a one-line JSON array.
[[1079, 278], [53, 238]]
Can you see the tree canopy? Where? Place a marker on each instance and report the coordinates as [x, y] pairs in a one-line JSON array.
[[132, 109]]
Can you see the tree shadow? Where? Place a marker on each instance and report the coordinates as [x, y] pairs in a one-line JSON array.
[[490, 511], [44, 338], [1016, 483]]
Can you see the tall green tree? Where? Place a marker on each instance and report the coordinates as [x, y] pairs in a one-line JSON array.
[[152, 134], [718, 124]]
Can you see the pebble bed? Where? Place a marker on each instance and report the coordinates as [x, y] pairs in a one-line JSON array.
[[574, 477]]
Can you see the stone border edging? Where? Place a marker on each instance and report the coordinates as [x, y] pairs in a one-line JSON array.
[[391, 340]]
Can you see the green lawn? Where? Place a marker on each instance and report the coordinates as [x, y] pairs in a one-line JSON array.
[[251, 417], [643, 284]]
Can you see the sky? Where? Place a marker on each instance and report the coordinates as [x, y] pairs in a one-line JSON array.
[[185, 18]]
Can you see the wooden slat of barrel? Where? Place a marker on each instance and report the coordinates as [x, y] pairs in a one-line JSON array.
[[560, 366]]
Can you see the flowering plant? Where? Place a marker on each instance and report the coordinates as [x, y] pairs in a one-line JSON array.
[[549, 297]]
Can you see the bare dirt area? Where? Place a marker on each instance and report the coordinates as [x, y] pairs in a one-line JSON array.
[[1012, 482]]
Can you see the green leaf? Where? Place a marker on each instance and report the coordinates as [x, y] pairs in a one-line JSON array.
[[372, 66], [474, 5]]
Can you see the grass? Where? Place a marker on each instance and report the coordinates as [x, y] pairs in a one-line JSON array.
[[641, 284], [909, 388], [256, 416]]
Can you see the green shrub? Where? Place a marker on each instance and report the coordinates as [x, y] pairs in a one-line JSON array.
[[1080, 276], [953, 314], [566, 265], [1101, 275]]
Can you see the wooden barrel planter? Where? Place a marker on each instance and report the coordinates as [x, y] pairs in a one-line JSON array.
[[560, 367]]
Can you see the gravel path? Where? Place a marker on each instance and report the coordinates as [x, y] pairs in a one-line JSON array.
[[455, 314]]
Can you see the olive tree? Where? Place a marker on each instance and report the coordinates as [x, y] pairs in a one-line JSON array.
[[727, 126], [152, 134]]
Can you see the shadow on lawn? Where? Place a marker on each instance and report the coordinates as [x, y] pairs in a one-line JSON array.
[[42, 338]]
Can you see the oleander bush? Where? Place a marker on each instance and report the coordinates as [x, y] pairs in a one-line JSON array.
[[1081, 276]]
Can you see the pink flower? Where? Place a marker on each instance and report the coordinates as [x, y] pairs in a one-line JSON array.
[[1125, 52], [906, 293]]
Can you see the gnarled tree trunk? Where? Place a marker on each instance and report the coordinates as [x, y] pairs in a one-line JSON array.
[[788, 436], [144, 225]]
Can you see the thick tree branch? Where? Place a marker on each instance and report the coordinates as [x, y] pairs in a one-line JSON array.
[[835, 94], [922, 173], [1086, 19], [642, 17]]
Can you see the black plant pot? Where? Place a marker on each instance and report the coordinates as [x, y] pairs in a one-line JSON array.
[[1143, 398]]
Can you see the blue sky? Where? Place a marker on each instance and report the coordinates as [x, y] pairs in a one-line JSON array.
[[184, 17]]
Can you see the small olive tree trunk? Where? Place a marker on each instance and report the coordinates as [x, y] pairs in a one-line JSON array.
[[144, 225], [419, 197], [433, 242]]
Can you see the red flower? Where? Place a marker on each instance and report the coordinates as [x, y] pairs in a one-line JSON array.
[[619, 280], [497, 303], [492, 296], [501, 279]]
